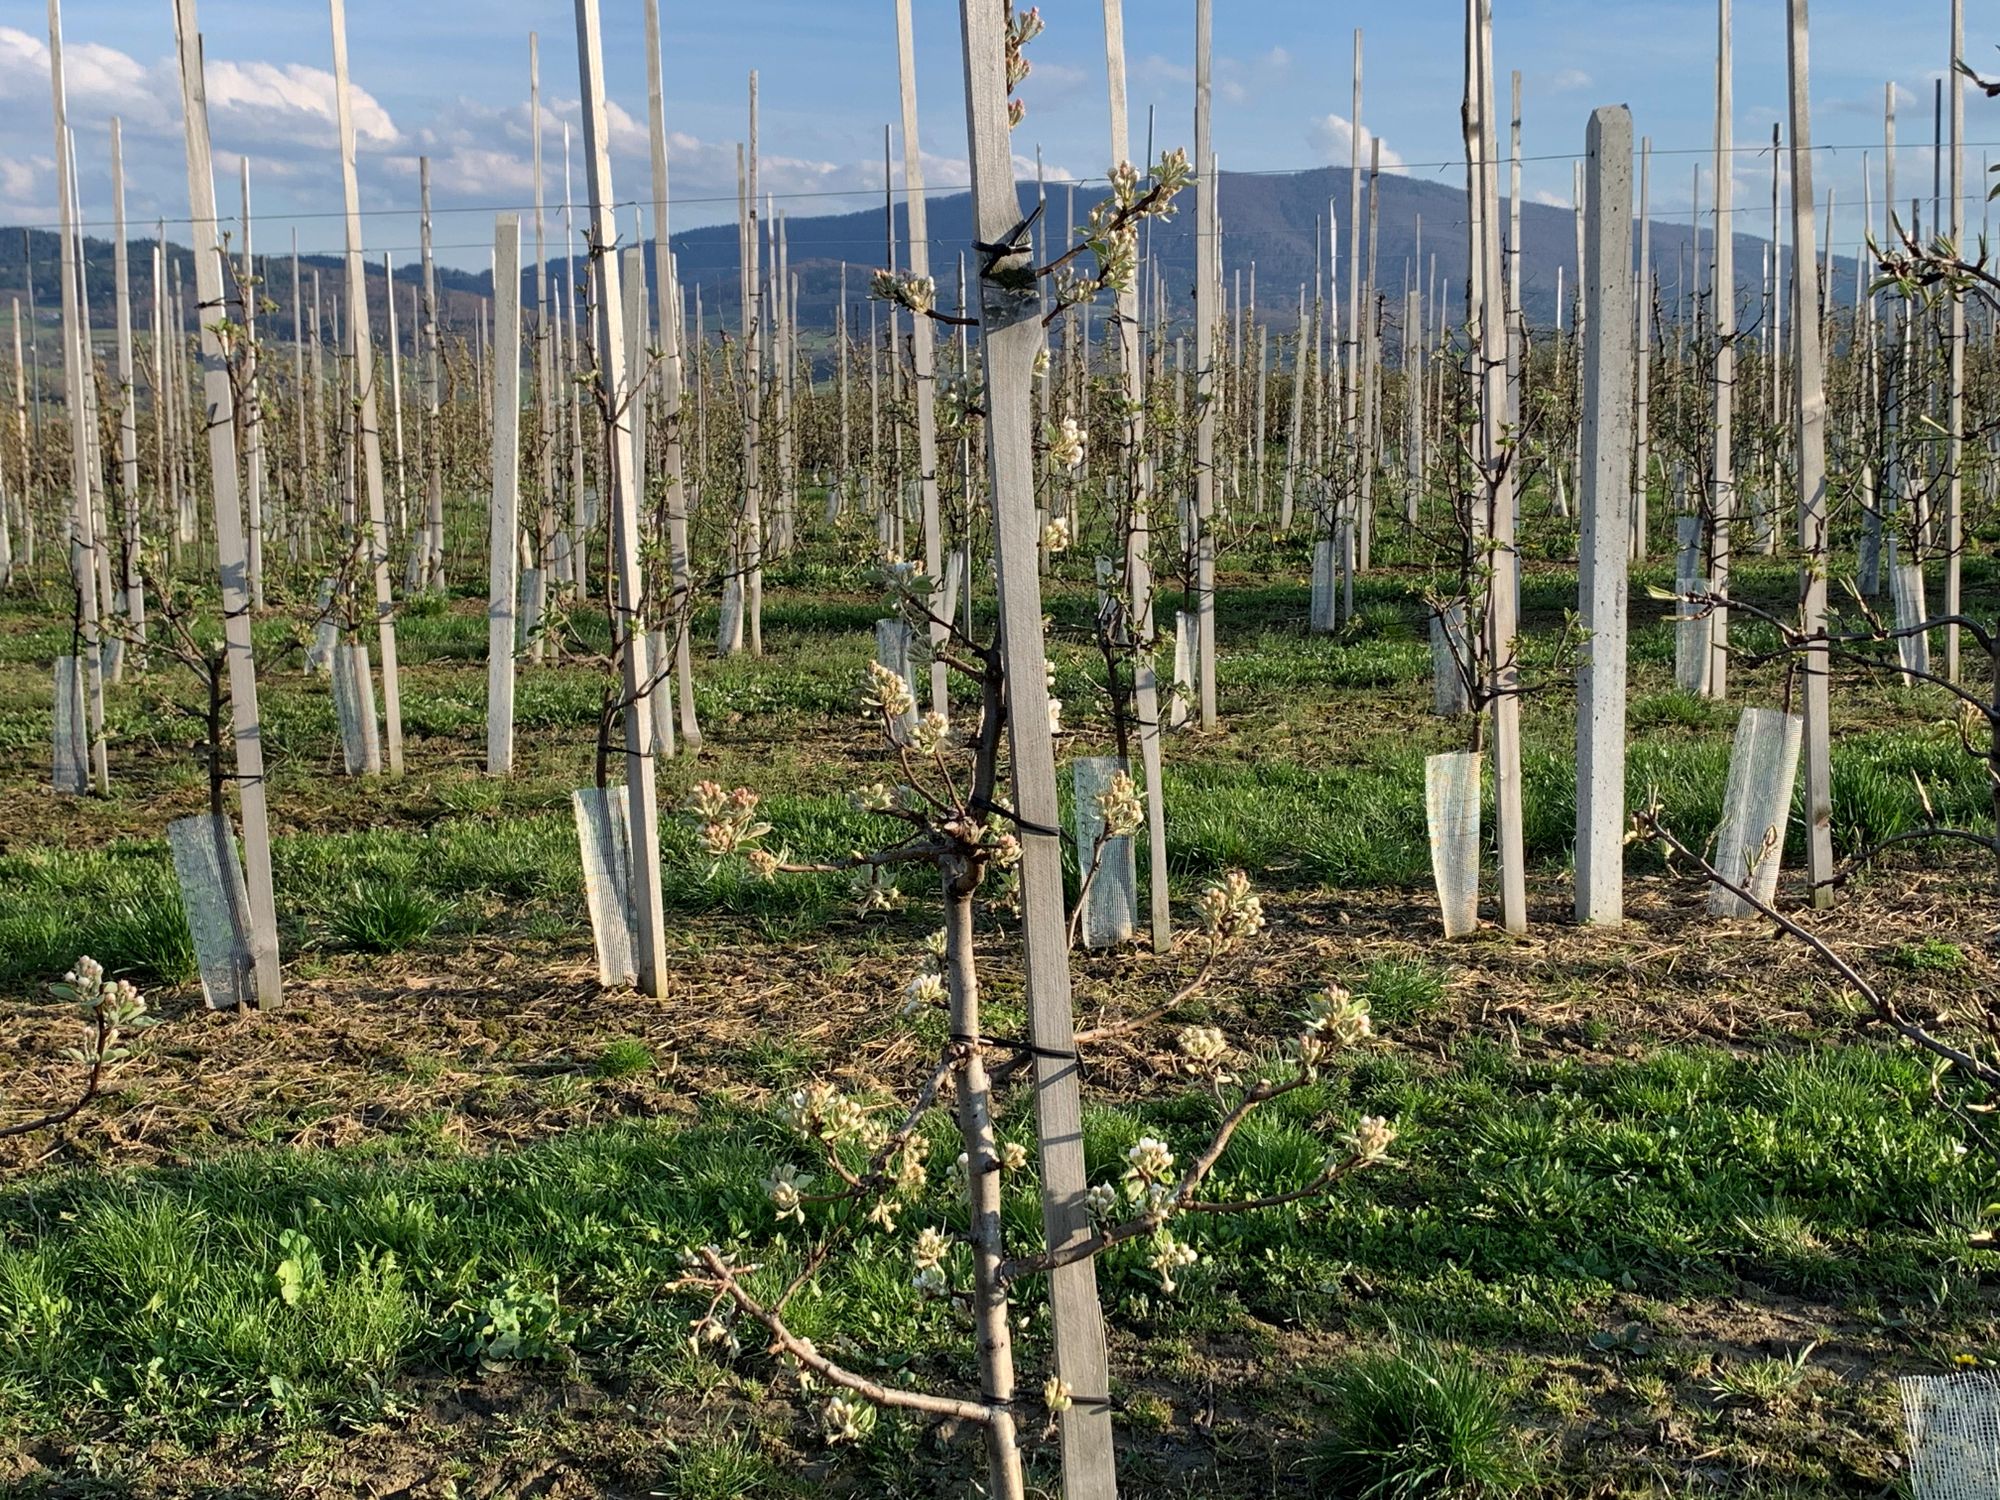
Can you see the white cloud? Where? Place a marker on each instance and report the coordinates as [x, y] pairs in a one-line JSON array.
[[1869, 105], [1153, 68], [99, 81], [23, 181], [1054, 84], [292, 103], [1236, 80], [286, 104], [280, 116], [1565, 81], [483, 155], [1332, 138]]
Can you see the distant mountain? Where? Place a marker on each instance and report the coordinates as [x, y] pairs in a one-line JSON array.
[[1269, 222]]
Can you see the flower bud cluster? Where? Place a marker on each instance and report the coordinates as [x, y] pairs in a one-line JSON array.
[[1371, 1138], [1229, 910], [932, 735], [1121, 807], [114, 1004], [1335, 1020], [886, 693], [871, 893], [1170, 1255], [785, 1188], [917, 293], [876, 796], [822, 1113], [1067, 443], [729, 822], [846, 1419], [1204, 1046]]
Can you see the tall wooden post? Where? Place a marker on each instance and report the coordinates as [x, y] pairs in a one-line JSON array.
[[1642, 343], [253, 415], [21, 435], [1010, 334], [1809, 412], [1204, 361], [1136, 473], [752, 560], [82, 438], [923, 351], [1954, 419], [128, 410], [1722, 495], [668, 299], [432, 356], [1499, 478], [546, 391], [649, 947], [1351, 352], [1606, 499], [369, 432], [503, 545], [231, 554]]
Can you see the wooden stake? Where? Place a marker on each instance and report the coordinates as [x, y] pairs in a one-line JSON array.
[[369, 431], [1954, 418], [1134, 466], [504, 525], [752, 560], [1496, 461], [923, 354], [1722, 496], [1009, 316], [1205, 290], [128, 411], [668, 297], [253, 415], [1642, 440], [650, 956], [432, 356], [1809, 410], [1605, 498], [231, 554], [76, 377]]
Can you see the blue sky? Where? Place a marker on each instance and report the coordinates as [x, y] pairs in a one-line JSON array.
[[448, 79]]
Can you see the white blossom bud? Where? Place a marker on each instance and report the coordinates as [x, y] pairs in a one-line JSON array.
[[924, 990], [847, 1419], [784, 1187], [1150, 1160], [1203, 1044], [931, 1248], [1371, 1138]]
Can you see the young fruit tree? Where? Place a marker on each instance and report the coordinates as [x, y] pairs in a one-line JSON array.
[[949, 816]]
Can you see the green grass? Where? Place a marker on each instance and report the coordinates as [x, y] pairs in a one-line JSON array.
[[1401, 990], [230, 1294], [384, 916], [724, 1466], [118, 904], [1415, 1422], [624, 1058], [1927, 955], [291, 1287]]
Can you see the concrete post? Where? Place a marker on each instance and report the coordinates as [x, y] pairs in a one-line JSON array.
[[1605, 544]]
